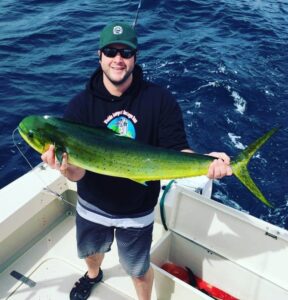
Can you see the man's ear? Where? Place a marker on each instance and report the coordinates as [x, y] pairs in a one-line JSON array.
[[100, 55]]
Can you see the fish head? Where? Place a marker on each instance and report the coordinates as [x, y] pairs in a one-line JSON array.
[[36, 131]]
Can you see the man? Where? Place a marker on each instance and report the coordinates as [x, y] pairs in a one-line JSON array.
[[119, 98]]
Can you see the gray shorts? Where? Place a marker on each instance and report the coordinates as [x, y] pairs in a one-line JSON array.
[[133, 244]]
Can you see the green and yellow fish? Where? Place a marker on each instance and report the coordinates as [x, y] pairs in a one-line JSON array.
[[104, 152]]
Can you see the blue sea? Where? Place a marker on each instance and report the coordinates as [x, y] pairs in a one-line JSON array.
[[225, 61]]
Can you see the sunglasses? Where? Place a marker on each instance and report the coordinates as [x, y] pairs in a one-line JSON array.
[[125, 53]]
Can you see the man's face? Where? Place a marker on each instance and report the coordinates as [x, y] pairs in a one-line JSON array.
[[117, 69]]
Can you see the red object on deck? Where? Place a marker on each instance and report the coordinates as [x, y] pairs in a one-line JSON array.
[[177, 271], [185, 274]]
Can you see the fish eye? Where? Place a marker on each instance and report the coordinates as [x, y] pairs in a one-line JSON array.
[[30, 134]]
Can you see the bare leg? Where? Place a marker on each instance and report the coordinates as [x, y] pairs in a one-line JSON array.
[[93, 263], [143, 285]]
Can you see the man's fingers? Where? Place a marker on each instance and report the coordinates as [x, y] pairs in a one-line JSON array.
[[221, 155], [218, 169], [49, 156], [64, 165]]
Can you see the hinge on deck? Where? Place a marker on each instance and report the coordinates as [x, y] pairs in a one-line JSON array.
[[23, 278], [273, 236]]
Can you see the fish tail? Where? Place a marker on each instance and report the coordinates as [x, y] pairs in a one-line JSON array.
[[239, 166]]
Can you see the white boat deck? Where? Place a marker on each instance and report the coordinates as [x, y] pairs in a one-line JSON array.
[[243, 256], [48, 261], [53, 266]]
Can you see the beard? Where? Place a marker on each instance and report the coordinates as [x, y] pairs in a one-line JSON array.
[[118, 82]]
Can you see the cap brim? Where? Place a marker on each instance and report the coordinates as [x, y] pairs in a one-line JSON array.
[[133, 46]]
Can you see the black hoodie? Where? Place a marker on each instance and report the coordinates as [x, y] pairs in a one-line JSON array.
[[145, 112]]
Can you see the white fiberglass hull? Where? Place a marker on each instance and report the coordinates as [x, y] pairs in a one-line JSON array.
[[235, 252]]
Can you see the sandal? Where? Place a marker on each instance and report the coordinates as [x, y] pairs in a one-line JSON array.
[[83, 287]]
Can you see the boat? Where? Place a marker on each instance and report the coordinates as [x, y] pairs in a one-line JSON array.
[[245, 257]]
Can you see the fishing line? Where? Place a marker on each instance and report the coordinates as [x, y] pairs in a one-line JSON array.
[[46, 188], [137, 13]]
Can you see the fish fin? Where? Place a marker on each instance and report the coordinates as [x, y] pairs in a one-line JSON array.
[[116, 133], [59, 151], [239, 166], [143, 182], [123, 136]]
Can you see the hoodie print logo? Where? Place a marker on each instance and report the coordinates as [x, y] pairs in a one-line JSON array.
[[122, 122], [123, 126]]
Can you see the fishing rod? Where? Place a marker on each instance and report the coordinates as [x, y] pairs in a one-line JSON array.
[[137, 13]]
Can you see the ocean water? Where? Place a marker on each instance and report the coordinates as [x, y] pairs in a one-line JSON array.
[[225, 61]]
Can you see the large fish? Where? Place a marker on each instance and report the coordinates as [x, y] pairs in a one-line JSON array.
[[102, 151]]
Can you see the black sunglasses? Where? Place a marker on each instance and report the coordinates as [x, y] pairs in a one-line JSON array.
[[125, 53]]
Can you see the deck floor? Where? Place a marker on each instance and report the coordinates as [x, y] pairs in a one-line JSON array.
[[52, 266]]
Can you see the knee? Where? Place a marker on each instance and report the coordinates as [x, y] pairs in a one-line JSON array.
[[139, 279], [148, 276]]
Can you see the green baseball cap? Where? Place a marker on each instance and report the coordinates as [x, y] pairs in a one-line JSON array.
[[118, 33]]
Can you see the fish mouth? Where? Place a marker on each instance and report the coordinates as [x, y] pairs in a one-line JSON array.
[[31, 136], [22, 130], [24, 134]]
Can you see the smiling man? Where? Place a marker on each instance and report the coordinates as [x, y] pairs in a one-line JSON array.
[[117, 59], [117, 97]]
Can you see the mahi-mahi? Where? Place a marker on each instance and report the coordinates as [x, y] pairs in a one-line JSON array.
[[105, 152]]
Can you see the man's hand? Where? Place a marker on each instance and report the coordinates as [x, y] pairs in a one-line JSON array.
[[220, 167], [71, 172]]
